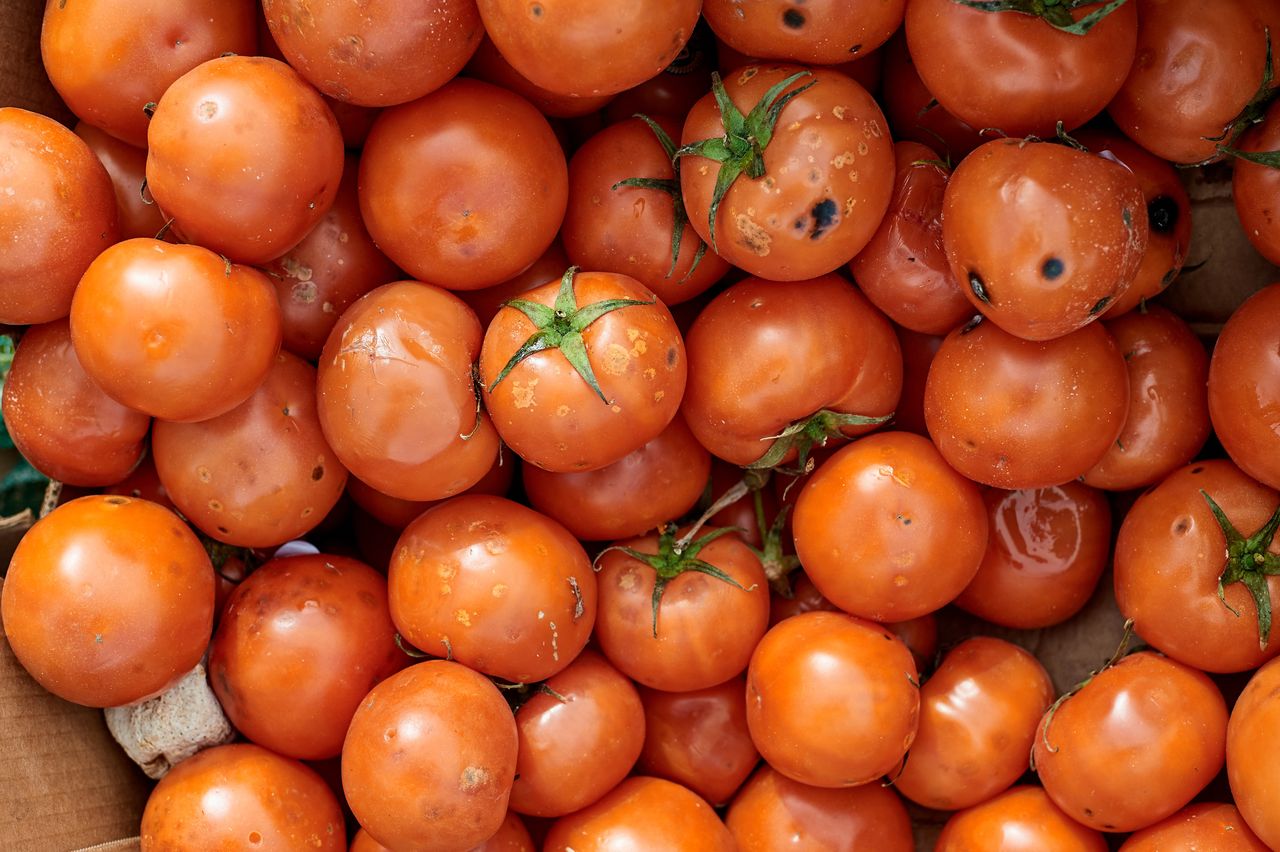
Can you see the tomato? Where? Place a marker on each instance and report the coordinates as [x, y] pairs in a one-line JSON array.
[[582, 371], [642, 813], [675, 89], [1020, 414], [1168, 419], [1208, 825], [699, 738], [1045, 553], [1022, 819], [243, 134], [1043, 236], [903, 270], [1254, 181], [819, 188], [1022, 67], [978, 716], [1251, 754], [495, 586], [464, 187], [914, 113], [376, 54], [431, 753], [57, 211], [109, 59], [624, 202], [127, 167], [917, 356], [242, 796], [805, 597], [396, 395], [1244, 386], [580, 734], [774, 812], [1195, 74], [581, 48], [809, 358], [832, 699], [511, 837], [301, 642], [824, 32], [108, 600], [1172, 564], [487, 301], [60, 421], [863, 67], [398, 513], [921, 526], [335, 264], [489, 65], [174, 331], [1134, 744], [670, 472]]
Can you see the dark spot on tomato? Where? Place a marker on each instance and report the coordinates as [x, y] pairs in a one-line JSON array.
[[1052, 268], [223, 530], [1198, 469], [1099, 306], [979, 288], [1181, 526], [671, 357], [792, 18], [1126, 217], [911, 260], [536, 10], [1162, 214], [1168, 277], [799, 224], [824, 216], [1088, 811], [117, 501], [857, 48], [286, 411], [972, 324], [317, 473], [906, 522]]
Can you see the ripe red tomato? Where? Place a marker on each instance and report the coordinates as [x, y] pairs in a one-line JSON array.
[[1254, 184], [127, 167], [489, 65], [1134, 744], [1207, 825], [57, 212], [914, 113], [1251, 754], [242, 796], [642, 813], [431, 752], [108, 600], [1022, 819], [397, 513], [820, 170], [487, 301], [825, 32], [832, 699], [1244, 386]]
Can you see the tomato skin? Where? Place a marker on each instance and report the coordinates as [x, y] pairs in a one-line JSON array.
[[827, 183], [127, 167], [1134, 745], [773, 812], [1254, 185], [60, 421], [1016, 72], [832, 699], [1168, 556], [463, 187], [108, 600], [241, 795], [597, 716], [1244, 386], [822, 33], [642, 813], [489, 65], [978, 716], [1045, 553], [1014, 413], [1251, 753], [1208, 825], [699, 738], [1042, 237], [174, 331], [922, 528], [1022, 819], [57, 210], [398, 514], [495, 586], [913, 112]]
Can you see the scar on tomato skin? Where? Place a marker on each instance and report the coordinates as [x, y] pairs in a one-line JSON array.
[[563, 411], [522, 395], [752, 236], [839, 111], [841, 160], [615, 359], [473, 778]]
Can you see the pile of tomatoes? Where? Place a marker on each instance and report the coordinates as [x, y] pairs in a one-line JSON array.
[[636, 381]]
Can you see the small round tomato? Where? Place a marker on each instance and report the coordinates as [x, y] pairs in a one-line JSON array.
[[818, 161], [921, 526], [244, 157], [1015, 413], [1244, 386], [1045, 553], [642, 813], [1022, 68], [494, 585], [242, 796], [1254, 184], [108, 600], [57, 212], [60, 421], [127, 166], [464, 187], [1134, 744], [1252, 759], [431, 752], [582, 371], [1168, 418], [1022, 819], [580, 733], [832, 699], [699, 738], [978, 716], [1042, 237], [825, 32], [774, 812], [1208, 825], [174, 331]]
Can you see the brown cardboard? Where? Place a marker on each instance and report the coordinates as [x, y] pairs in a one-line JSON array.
[[23, 82]]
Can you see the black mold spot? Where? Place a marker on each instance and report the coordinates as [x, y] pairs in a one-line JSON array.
[[1162, 214], [979, 289], [1099, 306], [824, 216], [317, 473], [1052, 268], [793, 19]]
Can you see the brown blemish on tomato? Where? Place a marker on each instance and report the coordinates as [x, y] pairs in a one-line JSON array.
[[615, 359], [842, 160], [499, 589], [839, 111], [463, 617], [522, 395], [753, 237], [473, 777], [650, 373], [563, 411]]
